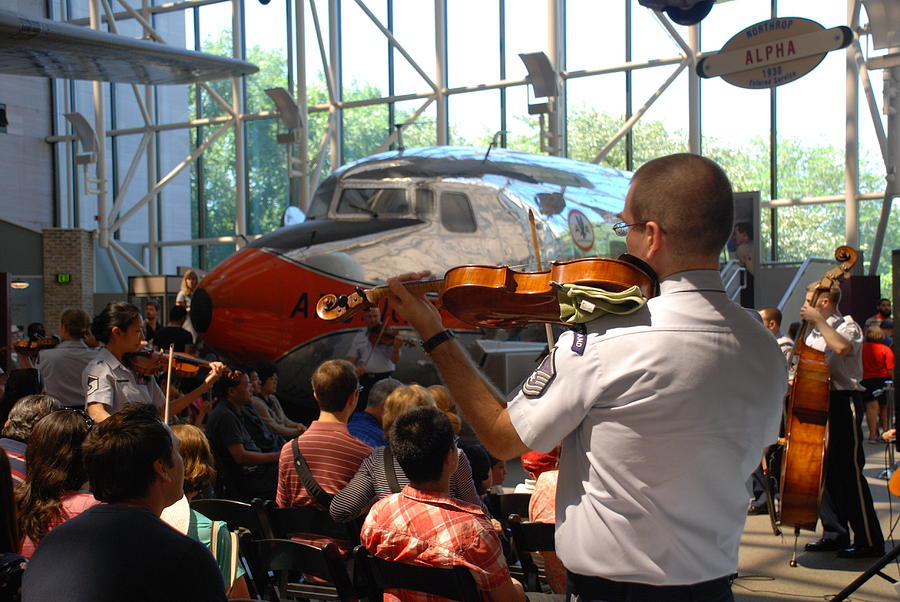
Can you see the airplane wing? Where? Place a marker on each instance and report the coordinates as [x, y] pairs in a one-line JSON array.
[[45, 48]]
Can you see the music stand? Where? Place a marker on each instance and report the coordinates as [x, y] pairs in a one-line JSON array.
[[873, 570]]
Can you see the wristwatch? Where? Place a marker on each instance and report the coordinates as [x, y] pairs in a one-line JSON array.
[[444, 335]]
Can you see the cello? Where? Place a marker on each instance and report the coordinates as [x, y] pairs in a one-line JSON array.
[[806, 420]]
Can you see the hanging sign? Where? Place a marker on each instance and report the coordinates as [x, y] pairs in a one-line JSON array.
[[581, 230], [775, 52]]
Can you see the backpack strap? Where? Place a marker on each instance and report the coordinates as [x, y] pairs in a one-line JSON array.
[[389, 472], [306, 477]]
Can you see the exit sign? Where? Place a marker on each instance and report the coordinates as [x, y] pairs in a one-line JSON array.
[[64, 278]]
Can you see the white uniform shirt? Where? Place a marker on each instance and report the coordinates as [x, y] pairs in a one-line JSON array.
[[846, 370], [108, 382], [60, 369], [380, 360], [662, 419]]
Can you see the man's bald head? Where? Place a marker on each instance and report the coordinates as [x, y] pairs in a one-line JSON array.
[[691, 199]]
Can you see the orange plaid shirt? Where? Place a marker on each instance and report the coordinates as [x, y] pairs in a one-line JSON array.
[[434, 529]]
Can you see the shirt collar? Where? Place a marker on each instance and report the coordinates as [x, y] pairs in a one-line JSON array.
[[691, 280], [320, 425], [109, 359], [440, 498]]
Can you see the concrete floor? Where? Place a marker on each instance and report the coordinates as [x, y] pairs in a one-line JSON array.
[[764, 573]]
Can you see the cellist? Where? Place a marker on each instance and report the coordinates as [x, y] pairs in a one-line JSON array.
[[846, 500]]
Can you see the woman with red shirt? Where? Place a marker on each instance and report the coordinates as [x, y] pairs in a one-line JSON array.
[[878, 367]]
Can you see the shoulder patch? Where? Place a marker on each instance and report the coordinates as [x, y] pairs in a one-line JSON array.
[[540, 379], [93, 383]]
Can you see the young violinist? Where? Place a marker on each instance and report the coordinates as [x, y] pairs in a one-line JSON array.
[[373, 358], [847, 500], [109, 383]]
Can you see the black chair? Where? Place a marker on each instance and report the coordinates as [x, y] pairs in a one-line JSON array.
[[307, 519], [251, 521], [530, 537], [503, 505], [374, 575], [280, 564]]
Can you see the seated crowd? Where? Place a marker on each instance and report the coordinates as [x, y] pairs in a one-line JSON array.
[[99, 485]]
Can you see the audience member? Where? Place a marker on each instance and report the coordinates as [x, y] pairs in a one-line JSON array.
[[21, 382], [381, 475], [367, 425], [151, 323], [534, 464], [888, 327], [244, 470], [174, 333], [27, 412], [330, 452], [199, 477], [771, 319], [266, 439], [109, 384], [480, 461], [60, 367], [498, 476], [121, 550], [878, 368], [188, 286], [12, 564], [373, 359], [882, 312], [267, 405], [444, 401], [55, 488], [423, 524]]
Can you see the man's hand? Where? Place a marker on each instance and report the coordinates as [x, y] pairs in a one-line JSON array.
[[811, 314], [421, 314]]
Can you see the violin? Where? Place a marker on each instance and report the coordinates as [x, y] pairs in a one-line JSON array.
[[387, 336], [32, 348], [149, 362], [500, 297]]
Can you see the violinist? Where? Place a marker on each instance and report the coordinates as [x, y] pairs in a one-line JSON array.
[[108, 383], [847, 501], [663, 413], [374, 358], [60, 367]]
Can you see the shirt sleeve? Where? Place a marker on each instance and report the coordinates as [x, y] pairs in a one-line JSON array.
[[486, 555], [98, 384], [359, 493], [156, 394], [557, 396]]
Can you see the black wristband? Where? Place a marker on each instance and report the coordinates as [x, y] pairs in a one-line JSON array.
[[444, 335]]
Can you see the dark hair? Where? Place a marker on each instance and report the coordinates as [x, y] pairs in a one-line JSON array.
[[9, 526], [420, 440], [480, 461], [120, 315], [266, 370], [177, 313], [26, 413], [333, 382], [53, 466], [35, 331], [771, 313], [153, 304], [690, 197], [76, 322], [225, 382], [120, 451], [744, 228], [20, 383]]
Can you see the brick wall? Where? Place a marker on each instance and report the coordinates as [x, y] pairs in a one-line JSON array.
[[67, 252]]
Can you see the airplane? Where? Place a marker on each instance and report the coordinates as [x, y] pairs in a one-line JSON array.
[[429, 208]]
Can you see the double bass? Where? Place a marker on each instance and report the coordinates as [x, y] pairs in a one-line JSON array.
[[806, 420]]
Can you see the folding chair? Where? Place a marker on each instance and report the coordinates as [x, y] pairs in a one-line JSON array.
[[249, 520], [374, 575], [502, 506], [530, 537], [280, 563], [289, 521]]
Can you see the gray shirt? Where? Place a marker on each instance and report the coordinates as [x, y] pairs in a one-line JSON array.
[[61, 368], [662, 417]]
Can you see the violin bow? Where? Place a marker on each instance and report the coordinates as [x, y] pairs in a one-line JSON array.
[[548, 330], [169, 382], [380, 333]]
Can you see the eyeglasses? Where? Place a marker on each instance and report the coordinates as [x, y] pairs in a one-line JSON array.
[[84, 416], [621, 229]]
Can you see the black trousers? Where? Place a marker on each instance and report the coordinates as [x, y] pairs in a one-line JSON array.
[[847, 501], [598, 589]]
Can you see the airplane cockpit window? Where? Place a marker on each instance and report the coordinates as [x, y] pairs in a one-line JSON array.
[[321, 201], [373, 201], [456, 212]]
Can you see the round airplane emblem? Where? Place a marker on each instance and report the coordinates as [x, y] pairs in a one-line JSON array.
[[581, 229]]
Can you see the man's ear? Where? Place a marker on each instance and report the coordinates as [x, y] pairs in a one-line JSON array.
[[162, 470], [654, 234]]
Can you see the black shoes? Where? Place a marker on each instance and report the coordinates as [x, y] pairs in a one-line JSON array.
[[861, 552], [827, 545]]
